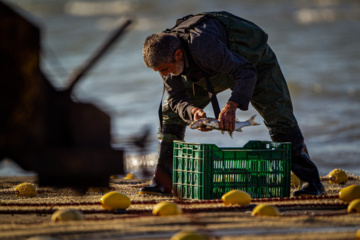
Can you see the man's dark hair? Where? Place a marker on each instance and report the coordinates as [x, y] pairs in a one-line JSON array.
[[159, 48]]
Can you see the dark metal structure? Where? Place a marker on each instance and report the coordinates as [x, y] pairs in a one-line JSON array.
[[67, 143]]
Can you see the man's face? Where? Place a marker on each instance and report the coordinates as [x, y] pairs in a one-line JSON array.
[[173, 68]]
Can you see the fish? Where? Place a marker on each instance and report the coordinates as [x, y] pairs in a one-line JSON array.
[[199, 123], [213, 123]]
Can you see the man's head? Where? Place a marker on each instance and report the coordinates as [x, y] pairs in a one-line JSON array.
[[162, 52]]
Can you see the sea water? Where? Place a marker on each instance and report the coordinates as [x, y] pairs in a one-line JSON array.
[[316, 43]]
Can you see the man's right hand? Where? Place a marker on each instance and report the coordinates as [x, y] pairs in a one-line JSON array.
[[198, 114]]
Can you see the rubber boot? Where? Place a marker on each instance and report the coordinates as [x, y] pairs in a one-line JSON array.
[[307, 171], [301, 164], [161, 182]]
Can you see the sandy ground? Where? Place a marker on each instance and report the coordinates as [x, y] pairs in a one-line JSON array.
[[25, 218]]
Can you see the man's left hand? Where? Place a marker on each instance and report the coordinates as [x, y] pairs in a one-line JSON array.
[[227, 116]]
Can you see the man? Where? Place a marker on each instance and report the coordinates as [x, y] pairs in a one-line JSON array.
[[205, 54]]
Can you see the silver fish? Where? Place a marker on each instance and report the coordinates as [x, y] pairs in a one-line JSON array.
[[213, 123], [199, 123]]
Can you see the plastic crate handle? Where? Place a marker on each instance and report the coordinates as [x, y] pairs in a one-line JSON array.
[[187, 151]]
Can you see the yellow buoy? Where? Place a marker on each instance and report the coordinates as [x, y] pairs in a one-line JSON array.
[[265, 210], [189, 235], [115, 200], [130, 176], [295, 181], [354, 206], [338, 176], [350, 193], [67, 215], [236, 197], [166, 209], [25, 190]]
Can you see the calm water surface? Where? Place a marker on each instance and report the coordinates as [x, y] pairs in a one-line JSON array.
[[316, 42]]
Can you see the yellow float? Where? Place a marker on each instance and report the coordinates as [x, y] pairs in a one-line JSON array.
[[350, 193], [295, 181], [114, 177], [25, 190], [67, 215], [130, 176], [265, 210], [166, 209], [338, 176], [354, 206], [236, 197], [115, 200]]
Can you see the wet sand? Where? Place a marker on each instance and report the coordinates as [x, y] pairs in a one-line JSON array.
[[26, 217]]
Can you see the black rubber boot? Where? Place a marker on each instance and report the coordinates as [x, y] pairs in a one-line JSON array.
[[307, 172], [162, 179], [301, 164]]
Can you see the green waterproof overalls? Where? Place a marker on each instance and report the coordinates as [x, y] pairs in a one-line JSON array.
[[271, 96]]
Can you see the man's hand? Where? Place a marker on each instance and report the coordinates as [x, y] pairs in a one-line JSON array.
[[227, 116], [198, 114]]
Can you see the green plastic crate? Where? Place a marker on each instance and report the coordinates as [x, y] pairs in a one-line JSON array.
[[205, 171]]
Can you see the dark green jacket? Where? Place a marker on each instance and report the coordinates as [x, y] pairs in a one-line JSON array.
[[235, 55]]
